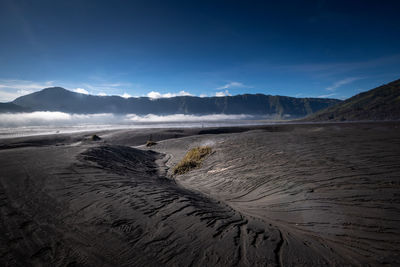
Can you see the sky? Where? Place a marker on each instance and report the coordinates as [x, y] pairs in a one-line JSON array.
[[165, 48]]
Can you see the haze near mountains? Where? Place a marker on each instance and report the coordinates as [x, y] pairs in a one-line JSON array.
[[60, 99]]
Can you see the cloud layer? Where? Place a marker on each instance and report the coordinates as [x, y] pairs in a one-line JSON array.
[[46, 118], [185, 118]]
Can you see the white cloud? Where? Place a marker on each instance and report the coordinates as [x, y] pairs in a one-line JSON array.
[[101, 94], [126, 95], [223, 93], [203, 95], [183, 93], [81, 91], [341, 83], [155, 95], [233, 85]]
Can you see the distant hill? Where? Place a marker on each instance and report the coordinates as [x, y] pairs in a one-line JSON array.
[[60, 99], [381, 103]]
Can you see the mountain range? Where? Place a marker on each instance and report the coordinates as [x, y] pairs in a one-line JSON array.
[[60, 99], [381, 103]]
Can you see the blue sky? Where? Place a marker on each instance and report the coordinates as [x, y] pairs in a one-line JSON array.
[[165, 48]]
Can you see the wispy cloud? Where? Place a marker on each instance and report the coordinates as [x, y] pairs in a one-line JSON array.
[[10, 89], [341, 83], [328, 95], [108, 88], [115, 84], [233, 85], [332, 69], [223, 93], [155, 95], [24, 84], [230, 85]]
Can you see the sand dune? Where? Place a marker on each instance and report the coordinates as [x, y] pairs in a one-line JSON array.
[[281, 195]]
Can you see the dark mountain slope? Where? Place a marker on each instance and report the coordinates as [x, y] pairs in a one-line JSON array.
[[59, 99], [381, 103], [12, 108]]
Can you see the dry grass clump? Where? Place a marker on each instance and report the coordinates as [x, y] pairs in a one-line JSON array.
[[95, 137], [150, 143], [192, 159]]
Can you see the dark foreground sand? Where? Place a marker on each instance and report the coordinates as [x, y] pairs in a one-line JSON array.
[[281, 195]]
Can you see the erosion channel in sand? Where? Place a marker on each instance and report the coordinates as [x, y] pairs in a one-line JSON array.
[[282, 195]]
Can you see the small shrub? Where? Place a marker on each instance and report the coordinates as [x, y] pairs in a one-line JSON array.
[[192, 159], [95, 137], [150, 143]]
